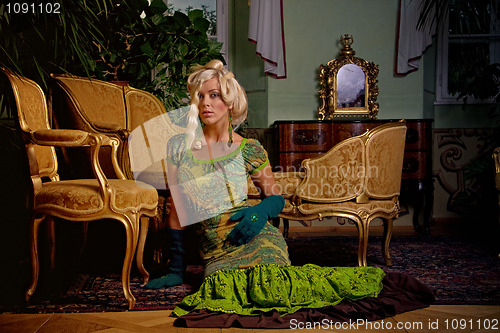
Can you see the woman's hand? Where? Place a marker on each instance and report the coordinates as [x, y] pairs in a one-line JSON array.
[[254, 218]]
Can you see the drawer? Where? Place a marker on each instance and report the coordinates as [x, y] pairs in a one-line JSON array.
[[291, 161], [343, 131], [305, 137], [417, 165], [418, 135]]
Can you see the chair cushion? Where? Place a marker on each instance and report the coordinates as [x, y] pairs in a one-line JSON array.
[[388, 207], [82, 196]]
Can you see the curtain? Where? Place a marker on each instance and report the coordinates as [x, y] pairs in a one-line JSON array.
[[266, 31], [411, 42]]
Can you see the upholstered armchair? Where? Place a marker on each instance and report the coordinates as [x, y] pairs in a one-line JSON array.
[[129, 202], [360, 179]]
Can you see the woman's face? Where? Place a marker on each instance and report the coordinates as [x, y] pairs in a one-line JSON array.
[[212, 108]]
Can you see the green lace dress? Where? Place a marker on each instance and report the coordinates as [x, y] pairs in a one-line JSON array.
[[257, 277]]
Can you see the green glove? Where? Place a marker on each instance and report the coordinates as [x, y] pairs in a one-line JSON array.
[[254, 218]]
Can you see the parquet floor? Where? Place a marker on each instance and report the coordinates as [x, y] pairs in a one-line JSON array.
[[436, 318]]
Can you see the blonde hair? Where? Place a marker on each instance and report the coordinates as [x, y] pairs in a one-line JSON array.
[[232, 94]]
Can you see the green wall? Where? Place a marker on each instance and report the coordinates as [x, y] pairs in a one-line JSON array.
[[312, 32], [312, 35]]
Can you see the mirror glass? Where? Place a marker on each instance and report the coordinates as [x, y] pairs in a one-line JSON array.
[[350, 87]]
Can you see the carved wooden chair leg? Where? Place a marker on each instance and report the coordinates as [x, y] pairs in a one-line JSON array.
[[363, 241], [386, 240], [35, 265], [127, 261], [140, 249]]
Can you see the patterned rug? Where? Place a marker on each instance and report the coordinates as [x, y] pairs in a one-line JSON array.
[[459, 272]]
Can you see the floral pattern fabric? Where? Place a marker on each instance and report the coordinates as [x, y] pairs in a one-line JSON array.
[[286, 289]]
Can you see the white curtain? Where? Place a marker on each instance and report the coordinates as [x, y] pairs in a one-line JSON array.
[[411, 42], [266, 31]]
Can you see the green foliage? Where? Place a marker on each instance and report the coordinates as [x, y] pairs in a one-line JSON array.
[[142, 39], [37, 43], [109, 40]]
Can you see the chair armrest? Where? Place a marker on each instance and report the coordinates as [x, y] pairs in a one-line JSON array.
[[108, 128], [78, 138], [60, 137]]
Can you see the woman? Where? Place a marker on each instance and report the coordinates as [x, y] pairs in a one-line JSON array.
[[247, 267]]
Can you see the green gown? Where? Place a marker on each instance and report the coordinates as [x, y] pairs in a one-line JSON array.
[[256, 277]]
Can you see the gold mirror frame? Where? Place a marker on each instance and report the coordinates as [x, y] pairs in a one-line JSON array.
[[328, 91]]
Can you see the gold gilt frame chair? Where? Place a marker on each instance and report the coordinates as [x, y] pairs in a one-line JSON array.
[[360, 179], [126, 201]]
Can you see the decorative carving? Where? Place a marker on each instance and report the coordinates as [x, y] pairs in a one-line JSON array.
[[467, 191], [348, 85]]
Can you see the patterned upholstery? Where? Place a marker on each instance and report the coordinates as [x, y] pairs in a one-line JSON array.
[[82, 196], [359, 179], [335, 177], [126, 201], [102, 107]]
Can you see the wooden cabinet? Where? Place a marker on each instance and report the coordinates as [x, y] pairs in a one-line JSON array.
[[298, 140]]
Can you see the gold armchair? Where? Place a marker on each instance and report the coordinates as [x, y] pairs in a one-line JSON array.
[[359, 179], [126, 201]]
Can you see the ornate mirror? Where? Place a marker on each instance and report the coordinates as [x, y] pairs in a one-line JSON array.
[[348, 85]]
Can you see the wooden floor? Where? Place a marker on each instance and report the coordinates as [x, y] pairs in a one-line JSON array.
[[436, 318]]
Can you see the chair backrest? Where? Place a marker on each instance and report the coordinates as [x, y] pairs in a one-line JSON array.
[[90, 101], [33, 115], [384, 160], [362, 167], [142, 106]]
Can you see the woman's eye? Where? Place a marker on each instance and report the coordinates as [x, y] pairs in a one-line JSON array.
[[214, 95]]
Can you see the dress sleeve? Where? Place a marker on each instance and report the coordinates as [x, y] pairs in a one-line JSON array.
[[255, 156]]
